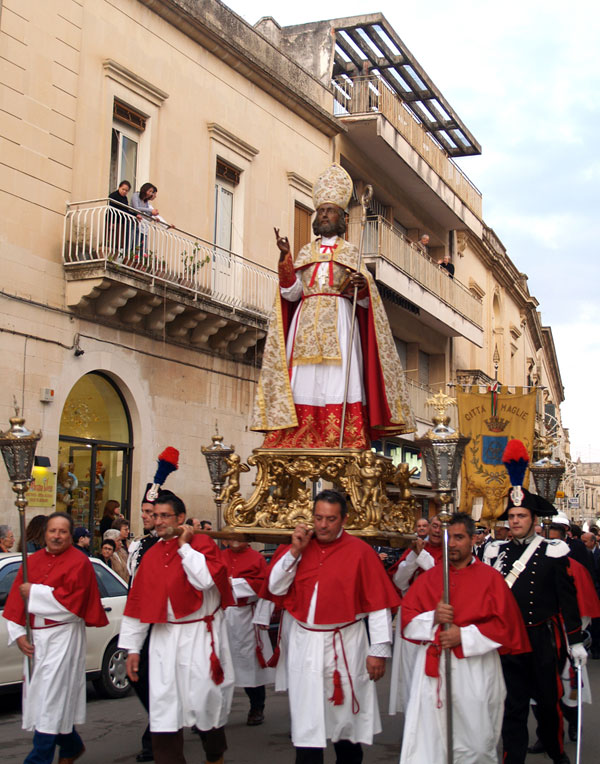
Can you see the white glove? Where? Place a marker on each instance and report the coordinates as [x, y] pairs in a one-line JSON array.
[[579, 654]]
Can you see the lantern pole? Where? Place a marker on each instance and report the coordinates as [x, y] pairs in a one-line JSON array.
[[18, 446], [443, 449]]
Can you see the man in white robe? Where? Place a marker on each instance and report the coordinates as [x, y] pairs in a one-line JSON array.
[[422, 555], [61, 597], [482, 619], [181, 587], [249, 642], [331, 669]]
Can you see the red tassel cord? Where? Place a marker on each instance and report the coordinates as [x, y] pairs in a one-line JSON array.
[[338, 691], [274, 659], [216, 670], [259, 652]]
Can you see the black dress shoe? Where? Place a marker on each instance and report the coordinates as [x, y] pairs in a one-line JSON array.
[[145, 756], [537, 747], [255, 717], [562, 759], [573, 732]]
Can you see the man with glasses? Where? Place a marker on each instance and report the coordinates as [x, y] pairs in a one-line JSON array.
[[181, 588]]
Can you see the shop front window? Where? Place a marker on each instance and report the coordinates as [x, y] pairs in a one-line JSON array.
[[94, 455]]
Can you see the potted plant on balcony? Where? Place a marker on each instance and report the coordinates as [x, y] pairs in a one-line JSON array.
[[159, 269], [191, 265]]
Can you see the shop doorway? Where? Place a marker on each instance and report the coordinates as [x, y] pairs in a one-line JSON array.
[[94, 454]]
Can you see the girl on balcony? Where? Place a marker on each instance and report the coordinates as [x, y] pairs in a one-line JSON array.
[[142, 201]]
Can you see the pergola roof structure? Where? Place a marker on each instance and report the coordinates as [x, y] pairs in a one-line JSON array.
[[368, 45]]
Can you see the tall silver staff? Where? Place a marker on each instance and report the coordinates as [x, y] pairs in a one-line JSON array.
[[443, 448], [579, 714], [445, 518], [364, 201]]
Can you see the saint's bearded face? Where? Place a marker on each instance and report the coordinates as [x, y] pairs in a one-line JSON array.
[[329, 221]]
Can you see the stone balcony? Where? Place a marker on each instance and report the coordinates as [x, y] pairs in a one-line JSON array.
[[441, 302], [360, 101], [169, 283]]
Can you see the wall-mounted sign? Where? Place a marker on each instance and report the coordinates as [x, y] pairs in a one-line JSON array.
[[42, 489]]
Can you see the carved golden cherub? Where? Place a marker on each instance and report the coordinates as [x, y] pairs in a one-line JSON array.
[[236, 467]]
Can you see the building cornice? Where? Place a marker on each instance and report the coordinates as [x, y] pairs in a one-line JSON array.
[[237, 145], [300, 183], [134, 82], [552, 360], [227, 36]]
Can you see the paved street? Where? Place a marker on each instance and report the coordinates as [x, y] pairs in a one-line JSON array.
[[113, 729]]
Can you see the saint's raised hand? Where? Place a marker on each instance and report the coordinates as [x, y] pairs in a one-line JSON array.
[[283, 244]]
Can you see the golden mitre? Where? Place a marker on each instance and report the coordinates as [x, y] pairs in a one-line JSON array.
[[333, 186]]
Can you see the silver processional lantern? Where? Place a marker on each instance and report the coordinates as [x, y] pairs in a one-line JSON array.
[[442, 449], [216, 456], [547, 471], [18, 450]]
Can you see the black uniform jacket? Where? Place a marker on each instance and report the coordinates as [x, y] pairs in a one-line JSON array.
[[545, 588]]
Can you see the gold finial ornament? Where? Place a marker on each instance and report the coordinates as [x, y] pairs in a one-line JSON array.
[[440, 402]]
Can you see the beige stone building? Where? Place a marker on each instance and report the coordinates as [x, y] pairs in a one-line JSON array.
[[120, 338]]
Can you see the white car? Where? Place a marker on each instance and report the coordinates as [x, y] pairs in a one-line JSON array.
[[105, 662]]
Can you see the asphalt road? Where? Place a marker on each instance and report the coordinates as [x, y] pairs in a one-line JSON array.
[[113, 730]]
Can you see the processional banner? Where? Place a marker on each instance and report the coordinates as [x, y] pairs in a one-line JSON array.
[[491, 419]]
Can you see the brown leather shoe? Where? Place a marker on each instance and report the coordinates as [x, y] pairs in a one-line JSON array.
[[71, 759]]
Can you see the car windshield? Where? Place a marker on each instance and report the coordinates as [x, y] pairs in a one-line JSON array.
[[7, 575], [108, 584]]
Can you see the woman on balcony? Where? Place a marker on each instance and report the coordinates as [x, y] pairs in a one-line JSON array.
[[142, 201], [122, 220]]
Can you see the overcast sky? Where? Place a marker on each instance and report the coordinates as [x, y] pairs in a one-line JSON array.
[[524, 76]]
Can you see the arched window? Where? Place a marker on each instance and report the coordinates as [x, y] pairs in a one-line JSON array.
[[94, 456]]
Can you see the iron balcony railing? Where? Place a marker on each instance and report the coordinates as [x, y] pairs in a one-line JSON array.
[[96, 233], [385, 241]]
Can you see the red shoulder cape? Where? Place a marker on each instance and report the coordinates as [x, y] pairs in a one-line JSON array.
[[72, 579], [479, 596], [161, 577], [435, 551], [247, 564], [351, 581], [587, 599]]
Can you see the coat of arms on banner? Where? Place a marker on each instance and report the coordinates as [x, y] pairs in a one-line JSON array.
[[491, 419]]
